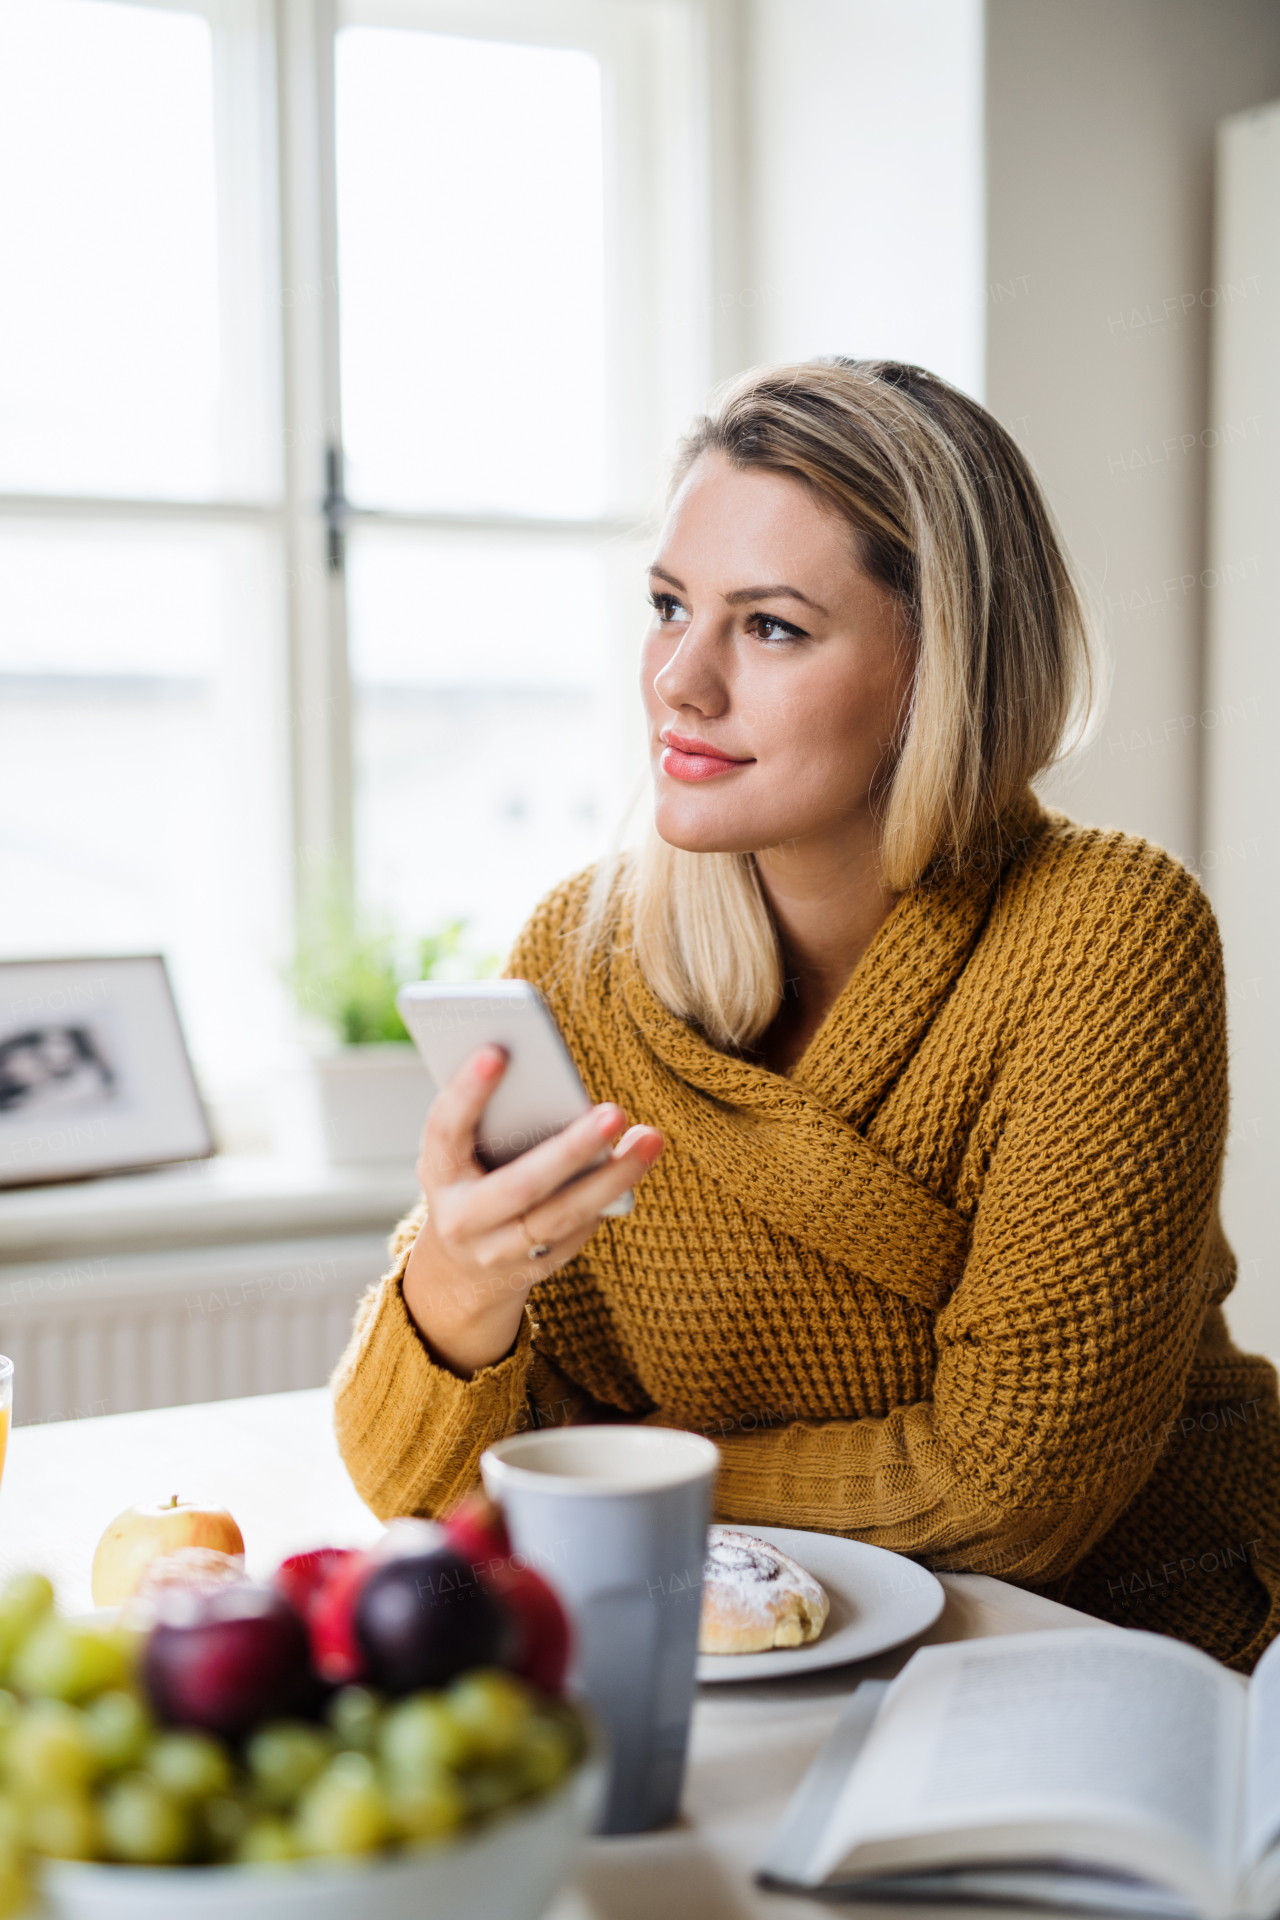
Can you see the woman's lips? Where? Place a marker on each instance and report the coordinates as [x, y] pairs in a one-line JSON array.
[[689, 759]]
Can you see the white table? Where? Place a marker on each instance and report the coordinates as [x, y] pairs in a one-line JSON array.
[[273, 1461]]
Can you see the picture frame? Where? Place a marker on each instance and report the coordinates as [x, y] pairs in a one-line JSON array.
[[95, 1077]]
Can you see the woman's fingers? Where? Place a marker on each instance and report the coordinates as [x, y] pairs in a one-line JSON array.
[[477, 1216], [568, 1218], [449, 1137], [581, 1205], [647, 1138], [466, 1290], [523, 1182]]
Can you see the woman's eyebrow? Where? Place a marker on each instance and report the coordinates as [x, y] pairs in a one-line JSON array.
[[744, 595]]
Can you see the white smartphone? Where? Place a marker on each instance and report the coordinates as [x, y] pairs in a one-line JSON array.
[[540, 1092]]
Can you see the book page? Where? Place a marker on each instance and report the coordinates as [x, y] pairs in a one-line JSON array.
[[1262, 1775], [1132, 1742]]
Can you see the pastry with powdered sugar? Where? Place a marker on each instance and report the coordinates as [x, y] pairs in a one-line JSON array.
[[755, 1597]]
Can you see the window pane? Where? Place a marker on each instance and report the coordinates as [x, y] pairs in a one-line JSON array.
[[471, 275], [140, 780], [480, 736], [116, 375]]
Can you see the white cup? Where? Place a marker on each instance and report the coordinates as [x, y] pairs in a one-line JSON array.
[[616, 1519]]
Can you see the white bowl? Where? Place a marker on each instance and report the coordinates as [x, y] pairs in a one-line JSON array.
[[511, 1867]]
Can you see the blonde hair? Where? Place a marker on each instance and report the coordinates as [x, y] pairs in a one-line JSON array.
[[947, 513]]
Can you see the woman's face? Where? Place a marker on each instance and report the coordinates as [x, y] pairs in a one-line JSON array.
[[775, 670]]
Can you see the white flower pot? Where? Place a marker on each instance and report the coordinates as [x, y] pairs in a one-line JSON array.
[[356, 1106]]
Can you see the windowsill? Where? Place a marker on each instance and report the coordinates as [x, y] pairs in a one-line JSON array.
[[230, 1198]]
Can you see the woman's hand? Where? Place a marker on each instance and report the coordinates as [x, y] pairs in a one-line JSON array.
[[470, 1270]]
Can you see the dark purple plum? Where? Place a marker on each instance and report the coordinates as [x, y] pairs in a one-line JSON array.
[[227, 1660], [421, 1618]]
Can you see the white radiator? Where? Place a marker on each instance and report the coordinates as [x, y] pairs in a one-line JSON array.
[[122, 1332]]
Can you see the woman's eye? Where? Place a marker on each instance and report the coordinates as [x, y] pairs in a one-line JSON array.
[[765, 627], [668, 609]]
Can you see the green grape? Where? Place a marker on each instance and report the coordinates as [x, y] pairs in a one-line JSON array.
[[354, 1714], [494, 1785], [345, 1810], [566, 1715], [119, 1726], [223, 1821], [428, 1811], [546, 1753], [16, 1893], [51, 1749], [11, 1825], [265, 1840], [421, 1737], [65, 1826], [143, 1823], [494, 1710], [190, 1766], [25, 1597], [66, 1662], [286, 1757]]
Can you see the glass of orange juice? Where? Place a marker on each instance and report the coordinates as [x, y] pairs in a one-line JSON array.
[[6, 1404]]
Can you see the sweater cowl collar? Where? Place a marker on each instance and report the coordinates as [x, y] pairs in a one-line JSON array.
[[910, 969], [793, 1148]]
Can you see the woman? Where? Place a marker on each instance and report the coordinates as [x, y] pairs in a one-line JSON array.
[[929, 1083]]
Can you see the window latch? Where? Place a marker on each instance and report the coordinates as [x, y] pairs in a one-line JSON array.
[[334, 507]]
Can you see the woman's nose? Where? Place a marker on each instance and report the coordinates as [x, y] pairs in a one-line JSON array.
[[692, 675]]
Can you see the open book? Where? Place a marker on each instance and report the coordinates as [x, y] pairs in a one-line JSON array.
[[1098, 1769]]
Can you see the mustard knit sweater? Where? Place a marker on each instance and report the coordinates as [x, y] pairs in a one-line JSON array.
[[952, 1286]]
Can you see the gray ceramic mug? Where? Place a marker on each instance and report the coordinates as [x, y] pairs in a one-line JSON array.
[[616, 1518]]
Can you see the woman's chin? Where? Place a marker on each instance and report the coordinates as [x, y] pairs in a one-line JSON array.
[[695, 832]]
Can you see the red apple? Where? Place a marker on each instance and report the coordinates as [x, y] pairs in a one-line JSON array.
[[331, 1621], [331, 1607], [477, 1529], [544, 1641], [227, 1660], [303, 1575]]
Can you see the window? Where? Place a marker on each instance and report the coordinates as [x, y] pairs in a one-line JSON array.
[[499, 303], [142, 697], [341, 348], [471, 274]]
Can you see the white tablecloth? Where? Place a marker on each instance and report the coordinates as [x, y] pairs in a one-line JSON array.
[[273, 1461]]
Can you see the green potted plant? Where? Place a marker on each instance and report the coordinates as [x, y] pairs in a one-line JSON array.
[[372, 1091]]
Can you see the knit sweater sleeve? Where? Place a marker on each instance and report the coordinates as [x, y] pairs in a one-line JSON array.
[[1095, 1248], [410, 1432]]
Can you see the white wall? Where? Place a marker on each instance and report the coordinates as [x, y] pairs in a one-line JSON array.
[[1100, 125], [870, 226], [1100, 130], [865, 233], [1242, 788]]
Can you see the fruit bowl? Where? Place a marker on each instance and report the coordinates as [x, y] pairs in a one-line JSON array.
[[383, 1730], [511, 1867]]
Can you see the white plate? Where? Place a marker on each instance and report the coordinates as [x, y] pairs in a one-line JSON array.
[[878, 1600]]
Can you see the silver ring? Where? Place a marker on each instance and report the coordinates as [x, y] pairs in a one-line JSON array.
[[538, 1249]]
